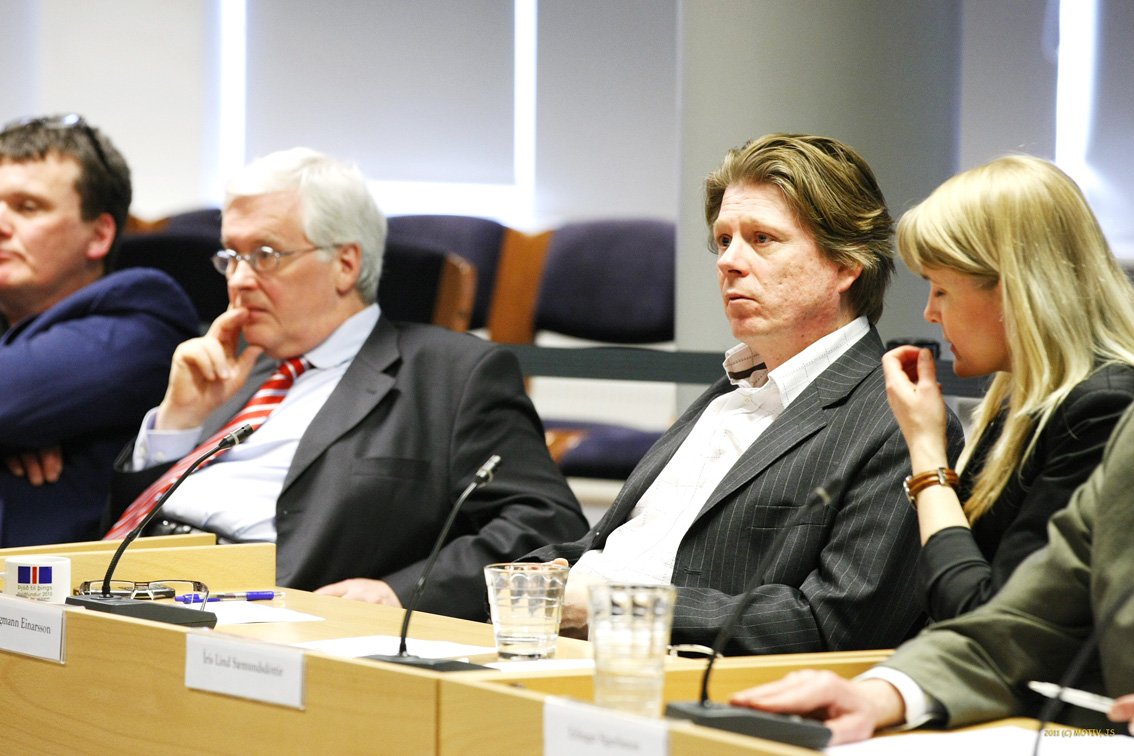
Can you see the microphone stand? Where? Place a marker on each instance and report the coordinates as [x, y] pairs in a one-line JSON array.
[[784, 728], [168, 613], [482, 478]]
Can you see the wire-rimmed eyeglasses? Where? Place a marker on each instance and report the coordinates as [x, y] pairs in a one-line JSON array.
[[262, 259], [64, 121], [145, 589]]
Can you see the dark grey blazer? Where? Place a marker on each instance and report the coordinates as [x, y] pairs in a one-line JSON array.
[[844, 578], [376, 473]]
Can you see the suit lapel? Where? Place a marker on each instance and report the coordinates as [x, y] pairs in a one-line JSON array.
[[804, 417], [362, 387]]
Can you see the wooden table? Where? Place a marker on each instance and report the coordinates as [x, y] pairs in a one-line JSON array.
[[121, 690], [467, 701]]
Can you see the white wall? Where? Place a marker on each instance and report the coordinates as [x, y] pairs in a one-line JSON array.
[[417, 91], [411, 91], [607, 110], [19, 59], [1008, 77], [141, 70], [1109, 153]]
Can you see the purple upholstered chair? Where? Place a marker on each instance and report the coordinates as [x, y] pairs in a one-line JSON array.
[[610, 281], [477, 240], [205, 222], [187, 258]]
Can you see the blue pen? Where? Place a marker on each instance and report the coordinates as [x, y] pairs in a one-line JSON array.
[[196, 598]]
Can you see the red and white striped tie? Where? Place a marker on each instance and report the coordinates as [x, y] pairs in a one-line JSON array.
[[255, 412]]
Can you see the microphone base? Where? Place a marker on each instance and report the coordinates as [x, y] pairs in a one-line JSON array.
[[171, 614], [434, 665], [782, 728]]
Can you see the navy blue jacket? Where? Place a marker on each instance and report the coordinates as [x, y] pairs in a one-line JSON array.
[[81, 376]]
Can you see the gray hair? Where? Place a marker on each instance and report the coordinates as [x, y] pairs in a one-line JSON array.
[[337, 208]]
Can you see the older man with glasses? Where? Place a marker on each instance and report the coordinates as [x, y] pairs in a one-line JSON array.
[[83, 353], [366, 430]]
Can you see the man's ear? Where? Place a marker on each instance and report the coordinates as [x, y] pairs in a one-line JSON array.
[[103, 231], [348, 266], [848, 275]]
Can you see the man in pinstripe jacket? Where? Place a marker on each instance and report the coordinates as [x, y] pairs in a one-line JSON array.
[[728, 495]]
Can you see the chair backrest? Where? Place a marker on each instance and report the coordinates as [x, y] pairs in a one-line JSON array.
[[186, 258], [203, 222], [426, 285], [610, 280], [419, 283], [477, 240]]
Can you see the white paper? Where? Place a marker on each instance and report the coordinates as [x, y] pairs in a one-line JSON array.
[[250, 612], [243, 668], [543, 665], [367, 645], [33, 628], [1058, 741], [573, 728]]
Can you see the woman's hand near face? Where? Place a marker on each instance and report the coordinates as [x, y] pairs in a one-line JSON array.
[[915, 399]]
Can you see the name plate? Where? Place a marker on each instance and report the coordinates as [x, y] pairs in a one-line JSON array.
[[573, 728], [246, 669], [32, 628]]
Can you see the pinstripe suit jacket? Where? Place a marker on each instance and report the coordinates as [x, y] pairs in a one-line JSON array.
[[844, 575]]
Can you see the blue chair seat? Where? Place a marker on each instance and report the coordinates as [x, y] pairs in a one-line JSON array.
[[602, 450]]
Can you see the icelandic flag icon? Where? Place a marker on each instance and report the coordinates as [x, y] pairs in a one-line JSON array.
[[33, 575]]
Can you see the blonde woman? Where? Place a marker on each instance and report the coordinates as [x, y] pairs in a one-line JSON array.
[[1025, 287]]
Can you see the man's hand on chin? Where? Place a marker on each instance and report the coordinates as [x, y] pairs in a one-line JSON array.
[[206, 372], [363, 589]]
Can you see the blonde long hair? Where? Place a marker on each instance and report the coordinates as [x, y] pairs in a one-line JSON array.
[[1068, 307]]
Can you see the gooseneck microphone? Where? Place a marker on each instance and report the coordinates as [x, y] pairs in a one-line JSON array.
[[784, 728], [482, 478], [169, 613]]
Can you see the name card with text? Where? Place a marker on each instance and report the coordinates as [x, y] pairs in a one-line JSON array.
[[33, 628], [574, 728], [246, 669]]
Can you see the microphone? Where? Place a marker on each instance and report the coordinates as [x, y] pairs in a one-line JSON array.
[[482, 478], [238, 436], [169, 613], [1076, 667], [784, 728]]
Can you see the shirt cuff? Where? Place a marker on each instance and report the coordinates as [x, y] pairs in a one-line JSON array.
[[155, 447], [921, 708]]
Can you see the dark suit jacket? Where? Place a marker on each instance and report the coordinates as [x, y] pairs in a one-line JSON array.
[[978, 665], [80, 376], [376, 473], [960, 569], [843, 578]]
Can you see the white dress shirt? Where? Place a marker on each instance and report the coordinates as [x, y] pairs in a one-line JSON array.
[[644, 548], [235, 496], [920, 707]]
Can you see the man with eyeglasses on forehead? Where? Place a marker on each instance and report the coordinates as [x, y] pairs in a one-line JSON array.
[[83, 353], [372, 427]]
